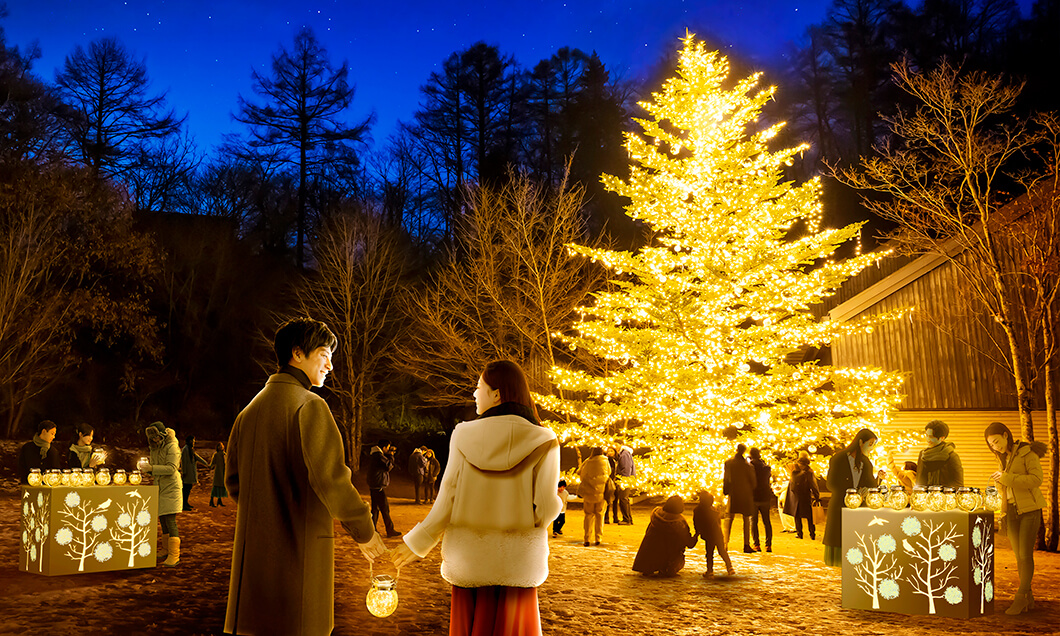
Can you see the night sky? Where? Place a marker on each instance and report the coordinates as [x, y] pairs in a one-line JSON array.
[[202, 52]]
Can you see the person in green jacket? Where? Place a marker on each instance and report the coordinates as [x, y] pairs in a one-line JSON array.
[[939, 464]]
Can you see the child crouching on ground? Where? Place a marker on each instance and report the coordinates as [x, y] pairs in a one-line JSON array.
[[708, 525]]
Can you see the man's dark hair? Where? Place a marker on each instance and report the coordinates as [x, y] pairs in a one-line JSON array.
[[938, 428], [304, 333], [756, 454], [45, 425], [740, 448]]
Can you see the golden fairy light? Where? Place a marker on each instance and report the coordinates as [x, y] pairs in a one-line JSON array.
[[103, 477], [382, 599], [119, 477], [852, 499], [34, 477], [690, 350]]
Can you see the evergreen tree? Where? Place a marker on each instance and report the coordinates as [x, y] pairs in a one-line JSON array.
[[700, 334]]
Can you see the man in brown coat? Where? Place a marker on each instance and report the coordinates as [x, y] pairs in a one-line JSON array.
[[286, 472]]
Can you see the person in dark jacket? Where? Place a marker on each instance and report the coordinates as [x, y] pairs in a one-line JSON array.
[[763, 499], [217, 488], [708, 526], [849, 468], [802, 495], [739, 484], [39, 453], [662, 551], [611, 505], [80, 455], [189, 468], [380, 463], [624, 469], [939, 464]]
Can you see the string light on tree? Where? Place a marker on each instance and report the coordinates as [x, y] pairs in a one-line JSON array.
[[702, 331]]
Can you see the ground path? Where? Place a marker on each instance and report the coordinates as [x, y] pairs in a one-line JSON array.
[[591, 590]]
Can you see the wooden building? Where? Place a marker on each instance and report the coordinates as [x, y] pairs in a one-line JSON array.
[[950, 352]]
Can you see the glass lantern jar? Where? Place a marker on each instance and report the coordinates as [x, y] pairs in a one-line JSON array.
[[103, 477], [853, 498], [88, 477], [967, 499], [53, 478], [898, 499], [936, 500], [874, 499], [382, 598], [919, 499], [135, 478], [949, 499], [65, 478], [34, 477], [992, 499], [119, 478]]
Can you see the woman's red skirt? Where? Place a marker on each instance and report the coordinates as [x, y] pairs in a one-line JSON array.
[[494, 611]]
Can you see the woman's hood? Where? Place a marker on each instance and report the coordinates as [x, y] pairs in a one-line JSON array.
[[501, 442]]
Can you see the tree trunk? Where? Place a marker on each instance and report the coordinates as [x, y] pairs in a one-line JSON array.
[[1052, 513]]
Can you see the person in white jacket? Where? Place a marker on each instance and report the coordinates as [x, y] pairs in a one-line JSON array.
[[496, 501]]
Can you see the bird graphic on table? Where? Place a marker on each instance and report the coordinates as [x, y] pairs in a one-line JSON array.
[[876, 521]]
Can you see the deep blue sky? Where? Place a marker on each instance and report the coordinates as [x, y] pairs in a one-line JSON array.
[[202, 52]]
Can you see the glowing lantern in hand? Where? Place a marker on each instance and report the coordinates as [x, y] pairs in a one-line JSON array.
[[383, 597], [992, 500]]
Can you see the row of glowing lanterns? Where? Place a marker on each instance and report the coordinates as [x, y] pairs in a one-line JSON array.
[[933, 498], [77, 477]]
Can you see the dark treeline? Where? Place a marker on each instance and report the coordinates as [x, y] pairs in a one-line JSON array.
[[140, 279]]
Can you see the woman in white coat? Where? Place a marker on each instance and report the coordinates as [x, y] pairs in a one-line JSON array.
[[496, 501]]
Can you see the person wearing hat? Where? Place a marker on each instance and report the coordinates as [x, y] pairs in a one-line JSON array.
[[662, 551], [286, 472], [163, 464]]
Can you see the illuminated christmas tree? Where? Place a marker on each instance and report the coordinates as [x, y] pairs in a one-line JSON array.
[[699, 333]]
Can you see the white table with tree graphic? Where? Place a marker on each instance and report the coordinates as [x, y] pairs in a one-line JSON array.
[[88, 529], [929, 563]]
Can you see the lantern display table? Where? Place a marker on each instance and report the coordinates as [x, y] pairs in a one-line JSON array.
[[68, 530], [936, 563]]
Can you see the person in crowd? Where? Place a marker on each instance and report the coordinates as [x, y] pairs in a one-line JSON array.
[[286, 472], [611, 501], [624, 469], [848, 468], [417, 472], [763, 499], [564, 496], [707, 525], [430, 482], [496, 502], [189, 468], [81, 452], [380, 463], [163, 463], [1019, 478], [217, 488], [594, 475], [802, 495], [739, 483], [662, 550], [939, 464], [38, 452], [787, 522], [905, 474]]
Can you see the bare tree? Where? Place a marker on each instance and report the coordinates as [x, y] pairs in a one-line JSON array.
[[510, 286], [360, 265], [950, 188], [300, 124], [112, 112]]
